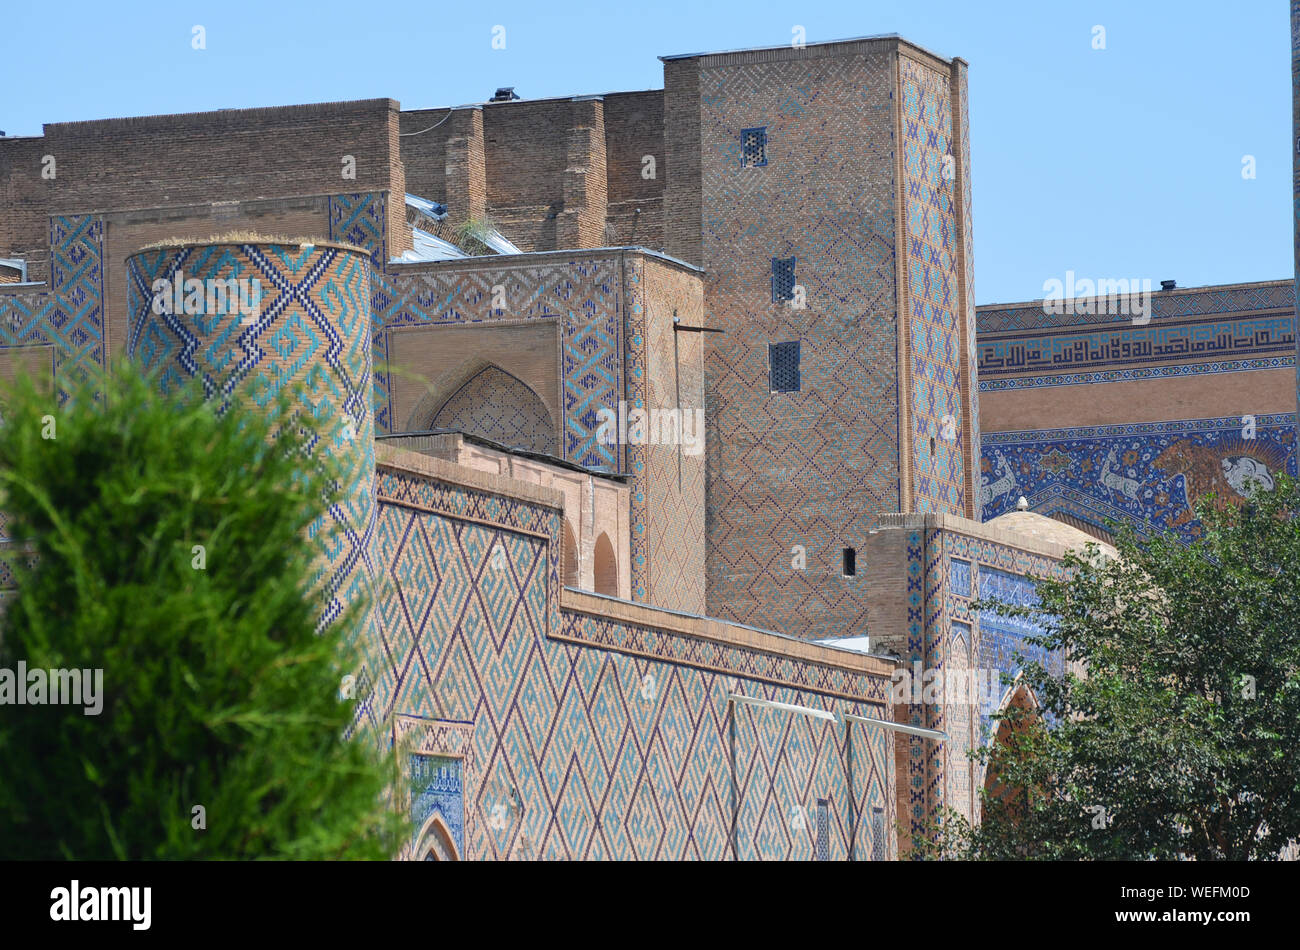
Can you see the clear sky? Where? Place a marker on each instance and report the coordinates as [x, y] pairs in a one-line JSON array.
[[1122, 162]]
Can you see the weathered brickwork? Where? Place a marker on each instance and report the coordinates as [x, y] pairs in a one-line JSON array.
[[231, 155], [839, 193], [665, 372]]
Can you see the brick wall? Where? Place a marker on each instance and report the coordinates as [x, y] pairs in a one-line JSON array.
[[634, 128], [805, 471], [192, 158], [543, 697]]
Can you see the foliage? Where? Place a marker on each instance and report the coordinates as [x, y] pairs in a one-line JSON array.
[[165, 545], [1173, 734]]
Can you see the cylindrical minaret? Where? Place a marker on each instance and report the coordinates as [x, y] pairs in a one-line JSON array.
[[254, 319]]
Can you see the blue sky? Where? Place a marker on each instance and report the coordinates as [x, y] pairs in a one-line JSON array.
[[1122, 162]]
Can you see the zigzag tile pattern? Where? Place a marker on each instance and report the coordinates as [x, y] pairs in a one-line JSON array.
[[311, 327], [810, 468], [603, 741], [932, 290], [69, 317], [584, 295]]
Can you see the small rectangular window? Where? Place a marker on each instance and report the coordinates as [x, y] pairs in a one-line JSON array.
[[823, 830], [753, 147], [783, 367], [850, 562], [878, 852], [782, 279]]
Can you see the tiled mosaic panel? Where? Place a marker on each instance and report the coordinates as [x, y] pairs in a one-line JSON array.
[[584, 295], [810, 468], [584, 752], [934, 317], [946, 572], [436, 790], [1149, 475], [1002, 638], [311, 328], [68, 317], [993, 571], [668, 489], [497, 406], [1123, 351]]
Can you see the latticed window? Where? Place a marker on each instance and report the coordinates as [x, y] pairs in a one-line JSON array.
[[782, 279], [823, 830], [783, 367], [877, 833], [753, 148]]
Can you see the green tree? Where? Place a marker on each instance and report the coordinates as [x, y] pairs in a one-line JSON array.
[[164, 544], [1174, 732]]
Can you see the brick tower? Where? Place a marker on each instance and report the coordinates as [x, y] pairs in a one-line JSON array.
[[825, 190]]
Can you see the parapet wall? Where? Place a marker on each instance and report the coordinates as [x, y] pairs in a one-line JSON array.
[[538, 722]]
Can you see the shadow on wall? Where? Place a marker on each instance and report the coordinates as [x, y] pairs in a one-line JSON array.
[[606, 567]]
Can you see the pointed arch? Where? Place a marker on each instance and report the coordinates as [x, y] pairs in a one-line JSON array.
[[1018, 696], [606, 567], [483, 399], [571, 578], [435, 842]]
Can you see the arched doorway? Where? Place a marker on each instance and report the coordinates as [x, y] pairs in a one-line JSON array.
[[1019, 697], [570, 556], [606, 567], [435, 842]]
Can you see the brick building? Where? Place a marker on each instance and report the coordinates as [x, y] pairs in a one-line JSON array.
[[647, 399]]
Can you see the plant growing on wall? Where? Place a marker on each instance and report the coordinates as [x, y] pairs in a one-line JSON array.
[[471, 236], [1179, 741], [162, 556]]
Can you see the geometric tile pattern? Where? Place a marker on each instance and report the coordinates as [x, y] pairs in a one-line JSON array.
[[1137, 372], [596, 742], [946, 572], [498, 406], [69, 317], [312, 328], [605, 355], [583, 295], [1148, 475], [934, 321], [810, 468]]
